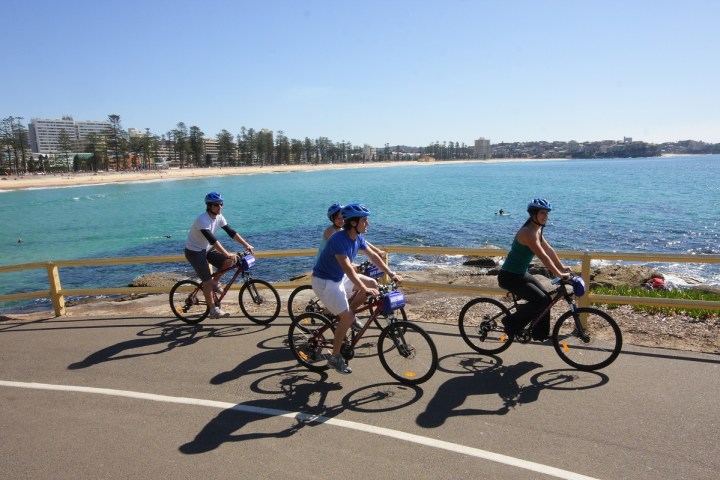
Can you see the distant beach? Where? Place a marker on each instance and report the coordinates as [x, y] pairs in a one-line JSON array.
[[31, 181]]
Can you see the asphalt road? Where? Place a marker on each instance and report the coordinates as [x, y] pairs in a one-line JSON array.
[[129, 397]]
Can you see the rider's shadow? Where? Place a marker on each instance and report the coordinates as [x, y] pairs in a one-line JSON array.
[[169, 338], [256, 364], [299, 393], [499, 380]]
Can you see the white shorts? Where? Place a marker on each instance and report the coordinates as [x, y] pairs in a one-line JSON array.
[[334, 295]]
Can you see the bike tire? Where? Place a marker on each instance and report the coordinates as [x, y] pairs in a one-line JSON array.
[[481, 328], [407, 353], [187, 302], [597, 350], [310, 338], [259, 301], [302, 299]]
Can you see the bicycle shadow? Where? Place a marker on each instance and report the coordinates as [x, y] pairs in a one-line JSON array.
[[169, 338], [494, 380], [299, 390], [255, 364], [303, 392]]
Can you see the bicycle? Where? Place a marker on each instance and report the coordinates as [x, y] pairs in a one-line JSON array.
[[585, 338], [259, 301], [406, 351], [303, 299]]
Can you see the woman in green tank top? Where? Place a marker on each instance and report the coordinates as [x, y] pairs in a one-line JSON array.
[[514, 277]]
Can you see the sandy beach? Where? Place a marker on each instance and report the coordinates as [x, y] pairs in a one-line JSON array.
[[12, 182]]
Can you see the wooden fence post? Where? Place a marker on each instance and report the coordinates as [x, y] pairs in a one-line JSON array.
[[58, 300]]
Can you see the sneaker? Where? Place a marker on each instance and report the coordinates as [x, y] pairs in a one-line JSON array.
[[338, 363], [217, 288], [357, 325], [217, 313]]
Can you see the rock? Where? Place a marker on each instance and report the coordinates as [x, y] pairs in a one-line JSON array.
[[617, 275], [159, 279], [481, 262]]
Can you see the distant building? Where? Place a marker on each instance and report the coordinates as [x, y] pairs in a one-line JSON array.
[[368, 153], [45, 133], [627, 139], [482, 148]]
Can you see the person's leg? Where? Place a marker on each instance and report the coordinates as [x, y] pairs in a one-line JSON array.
[[360, 297], [527, 288], [333, 296], [200, 264]]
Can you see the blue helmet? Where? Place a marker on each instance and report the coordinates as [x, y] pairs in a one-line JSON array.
[[578, 285], [334, 208], [213, 197], [354, 210], [539, 204]]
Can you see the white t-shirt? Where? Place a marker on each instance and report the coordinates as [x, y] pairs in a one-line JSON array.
[[196, 241]]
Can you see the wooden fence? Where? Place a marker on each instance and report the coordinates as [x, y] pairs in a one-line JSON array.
[[57, 294]]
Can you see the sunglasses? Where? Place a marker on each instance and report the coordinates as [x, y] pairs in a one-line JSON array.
[[216, 204]]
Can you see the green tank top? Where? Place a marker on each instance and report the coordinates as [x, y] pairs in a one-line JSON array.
[[518, 259]]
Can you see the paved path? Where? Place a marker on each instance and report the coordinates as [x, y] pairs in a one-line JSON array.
[[128, 397]]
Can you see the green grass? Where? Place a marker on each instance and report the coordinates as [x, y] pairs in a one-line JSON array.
[[699, 313]]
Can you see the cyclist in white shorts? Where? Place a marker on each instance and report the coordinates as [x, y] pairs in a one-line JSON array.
[[334, 273]]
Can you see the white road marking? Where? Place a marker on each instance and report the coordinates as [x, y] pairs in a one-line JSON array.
[[270, 412]]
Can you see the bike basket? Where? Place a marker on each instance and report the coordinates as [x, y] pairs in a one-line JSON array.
[[373, 272], [392, 301], [248, 262]]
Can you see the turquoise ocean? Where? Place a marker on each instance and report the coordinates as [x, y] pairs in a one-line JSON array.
[[653, 205]]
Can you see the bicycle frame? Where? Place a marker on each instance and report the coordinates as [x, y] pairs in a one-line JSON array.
[[555, 296], [239, 271]]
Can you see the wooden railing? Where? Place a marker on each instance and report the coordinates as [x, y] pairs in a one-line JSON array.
[[57, 294]]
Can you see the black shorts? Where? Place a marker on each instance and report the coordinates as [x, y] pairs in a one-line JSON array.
[[199, 261]]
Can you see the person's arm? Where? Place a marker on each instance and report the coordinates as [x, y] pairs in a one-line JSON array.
[[380, 253], [528, 238], [349, 270], [238, 238], [553, 256]]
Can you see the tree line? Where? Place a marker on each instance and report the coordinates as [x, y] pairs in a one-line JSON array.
[[186, 147]]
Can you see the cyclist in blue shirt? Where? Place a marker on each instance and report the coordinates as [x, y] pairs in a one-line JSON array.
[[514, 277], [334, 271]]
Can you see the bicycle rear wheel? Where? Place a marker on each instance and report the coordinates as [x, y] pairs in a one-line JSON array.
[[259, 301], [407, 353], [310, 338], [481, 327], [591, 347], [303, 299], [187, 302]]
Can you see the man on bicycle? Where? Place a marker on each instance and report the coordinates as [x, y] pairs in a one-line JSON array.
[[202, 247], [333, 274]]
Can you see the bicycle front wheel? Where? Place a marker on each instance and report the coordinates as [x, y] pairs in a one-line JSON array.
[[302, 299], [259, 301], [407, 353], [481, 327], [187, 302], [310, 338], [588, 339]]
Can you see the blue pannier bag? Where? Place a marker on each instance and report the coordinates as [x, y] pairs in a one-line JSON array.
[[373, 272], [392, 301], [248, 262]]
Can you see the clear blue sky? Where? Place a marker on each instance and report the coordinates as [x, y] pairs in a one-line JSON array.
[[366, 71]]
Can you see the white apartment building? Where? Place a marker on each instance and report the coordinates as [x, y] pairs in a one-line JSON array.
[[482, 148], [45, 133]]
